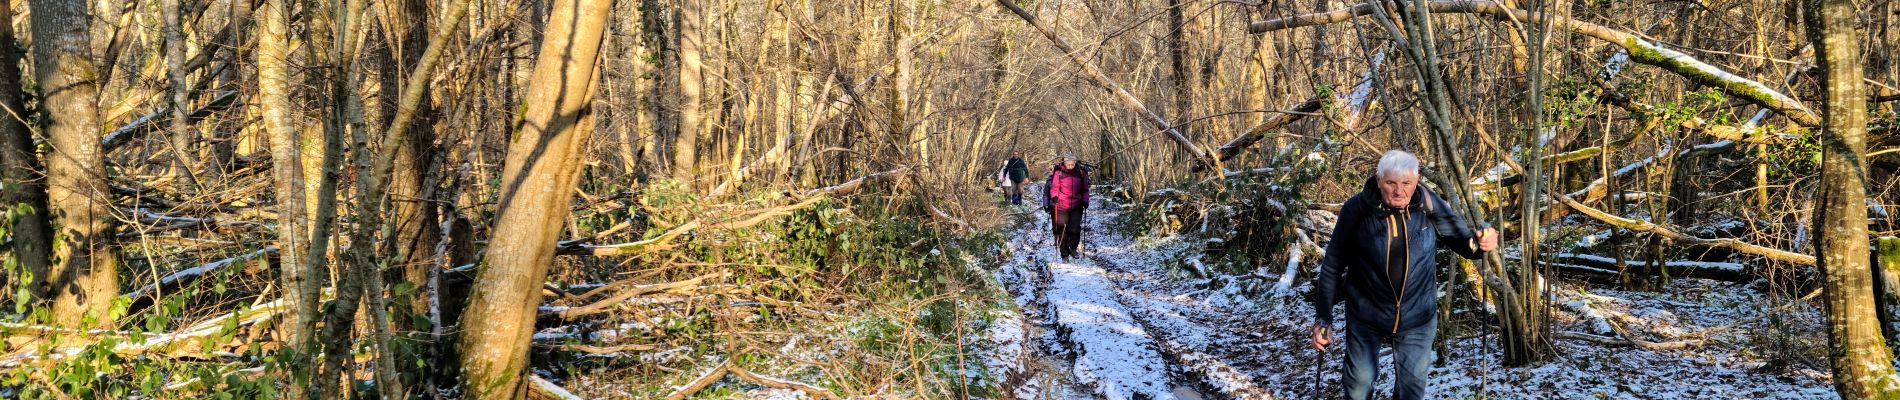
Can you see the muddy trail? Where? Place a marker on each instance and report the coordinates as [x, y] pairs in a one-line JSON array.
[[1123, 321], [1109, 324]]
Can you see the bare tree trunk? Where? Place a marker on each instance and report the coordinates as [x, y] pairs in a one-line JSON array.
[[84, 276], [1180, 70], [1521, 341], [689, 39], [1530, 276], [1863, 365], [903, 78], [538, 179], [412, 207], [660, 77], [20, 167], [300, 278], [184, 161]]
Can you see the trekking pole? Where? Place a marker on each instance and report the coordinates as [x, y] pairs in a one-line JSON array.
[[1319, 365]]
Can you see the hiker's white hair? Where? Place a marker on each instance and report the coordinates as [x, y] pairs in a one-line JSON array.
[[1398, 161]]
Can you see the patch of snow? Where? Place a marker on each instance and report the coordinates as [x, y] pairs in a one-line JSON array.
[[1112, 352]]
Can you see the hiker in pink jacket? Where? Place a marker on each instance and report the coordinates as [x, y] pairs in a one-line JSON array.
[[1064, 198]]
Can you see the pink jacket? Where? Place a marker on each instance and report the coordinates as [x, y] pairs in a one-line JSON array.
[[1068, 189]]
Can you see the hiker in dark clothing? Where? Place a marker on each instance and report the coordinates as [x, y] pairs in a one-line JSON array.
[[1016, 171], [1064, 198], [1380, 262]]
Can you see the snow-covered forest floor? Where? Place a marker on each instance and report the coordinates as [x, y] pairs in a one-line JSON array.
[[1117, 323]]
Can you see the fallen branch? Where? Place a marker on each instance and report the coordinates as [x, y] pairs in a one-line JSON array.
[[1652, 228], [180, 278], [549, 389], [702, 382], [664, 240], [1259, 132], [615, 349], [1640, 50], [1626, 342], [183, 342], [855, 184], [656, 243], [150, 121], [1602, 266], [604, 304], [780, 383]]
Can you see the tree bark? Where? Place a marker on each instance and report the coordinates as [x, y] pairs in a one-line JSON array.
[[1862, 363], [298, 275], [689, 40], [20, 166], [84, 276], [538, 179], [184, 161]]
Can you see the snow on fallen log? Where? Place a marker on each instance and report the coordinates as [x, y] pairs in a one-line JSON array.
[[176, 279], [549, 390], [186, 341], [1607, 267], [1284, 287], [1113, 353]]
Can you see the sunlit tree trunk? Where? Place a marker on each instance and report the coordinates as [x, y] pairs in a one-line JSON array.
[[84, 277], [1863, 365], [688, 38], [299, 277], [538, 179]]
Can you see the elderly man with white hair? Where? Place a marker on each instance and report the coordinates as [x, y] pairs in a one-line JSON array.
[[1381, 263]]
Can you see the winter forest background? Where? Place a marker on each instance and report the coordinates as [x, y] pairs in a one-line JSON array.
[[795, 198]]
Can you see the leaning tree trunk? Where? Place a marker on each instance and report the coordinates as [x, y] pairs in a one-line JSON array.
[[84, 276], [20, 167], [1863, 365], [538, 178]]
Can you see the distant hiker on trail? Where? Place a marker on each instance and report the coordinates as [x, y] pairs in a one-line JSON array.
[[1381, 258], [1064, 198], [1013, 173]]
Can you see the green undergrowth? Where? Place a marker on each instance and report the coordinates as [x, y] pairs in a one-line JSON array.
[[1241, 222], [124, 353], [865, 295]]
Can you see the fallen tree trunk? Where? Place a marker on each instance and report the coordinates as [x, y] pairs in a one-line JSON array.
[[1653, 228], [1607, 268], [188, 341], [1625, 342], [664, 240], [144, 296], [606, 304], [1258, 132], [1642, 51], [151, 122], [542, 389]]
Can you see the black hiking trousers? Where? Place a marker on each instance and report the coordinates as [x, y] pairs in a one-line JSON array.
[[1068, 230]]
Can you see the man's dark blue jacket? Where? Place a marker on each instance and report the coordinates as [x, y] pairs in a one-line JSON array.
[[1381, 259]]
